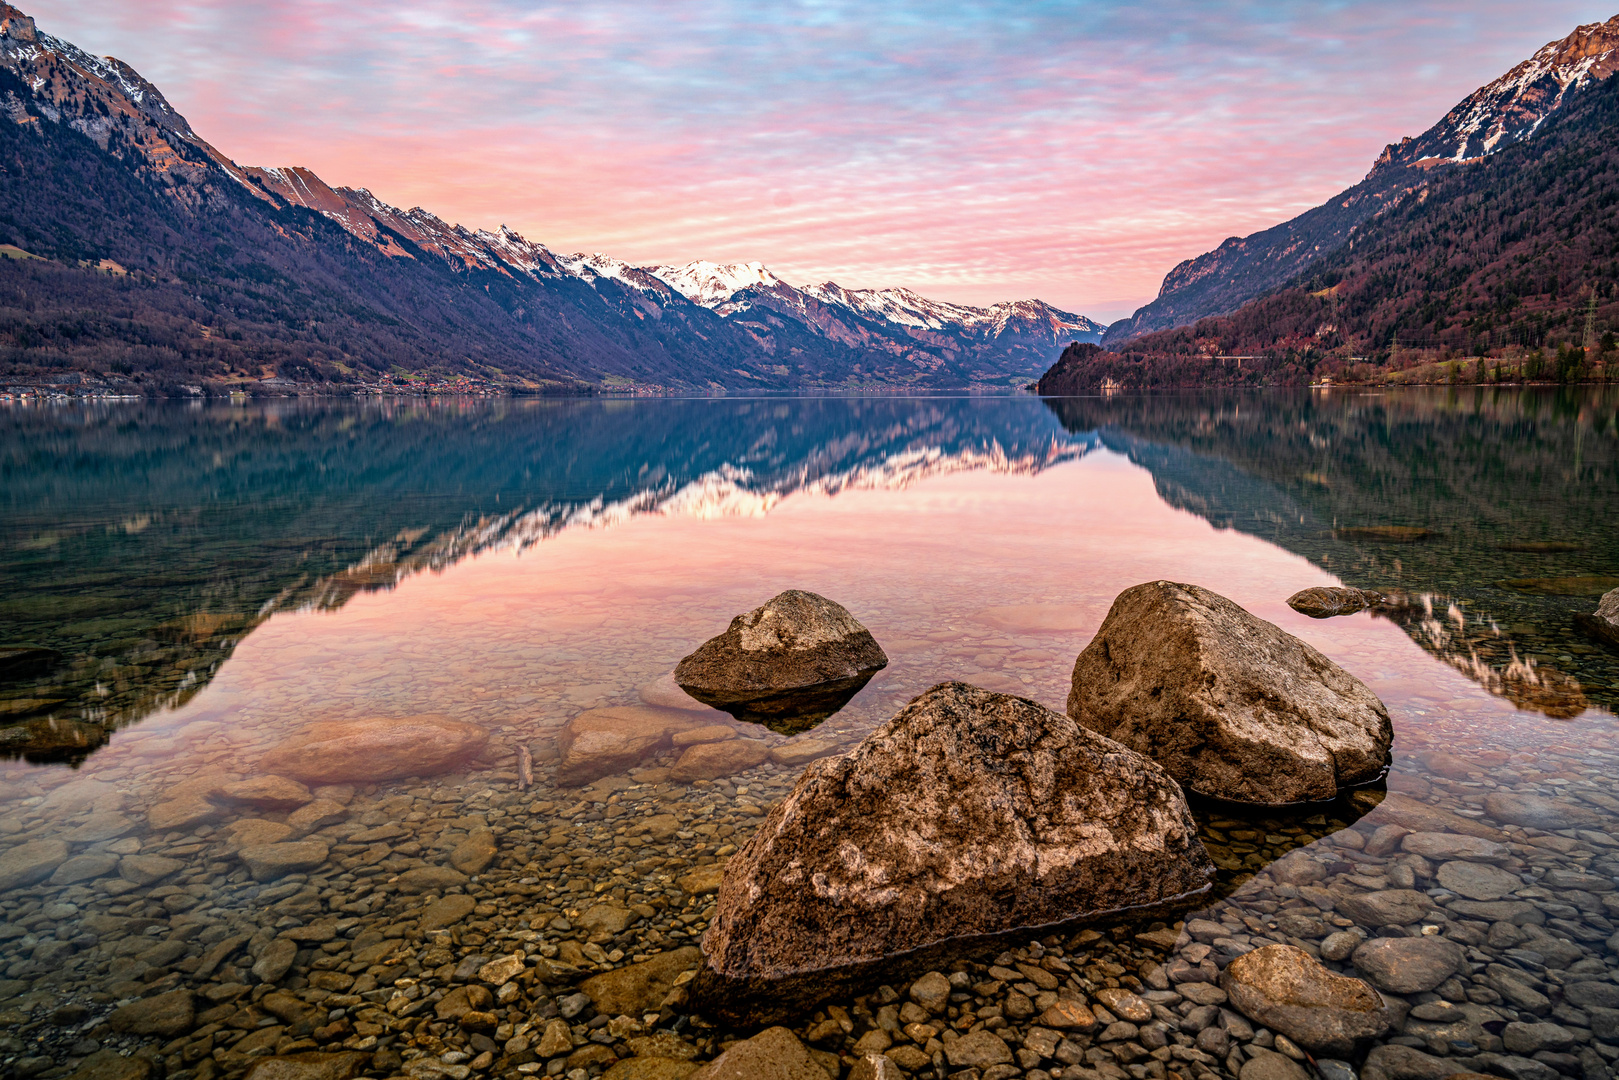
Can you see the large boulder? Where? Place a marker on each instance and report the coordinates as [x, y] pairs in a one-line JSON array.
[[377, 748], [1233, 706], [970, 813], [788, 664], [601, 742], [1603, 623], [1283, 988]]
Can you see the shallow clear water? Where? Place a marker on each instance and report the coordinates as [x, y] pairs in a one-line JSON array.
[[215, 579]]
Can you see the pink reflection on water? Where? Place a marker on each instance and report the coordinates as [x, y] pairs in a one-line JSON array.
[[991, 578]]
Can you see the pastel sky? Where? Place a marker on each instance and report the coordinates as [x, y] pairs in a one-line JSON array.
[[974, 150]]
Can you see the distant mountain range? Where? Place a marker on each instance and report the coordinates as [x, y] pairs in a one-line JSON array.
[[1513, 108], [139, 250]]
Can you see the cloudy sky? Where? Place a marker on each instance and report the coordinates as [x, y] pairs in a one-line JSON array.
[[974, 151]]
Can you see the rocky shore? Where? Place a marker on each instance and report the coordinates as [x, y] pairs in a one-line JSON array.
[[194, 916]]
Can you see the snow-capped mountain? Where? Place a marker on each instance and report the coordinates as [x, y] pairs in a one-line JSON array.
[[712, 284], [574, 317], [1506, 111], [1513, 107]]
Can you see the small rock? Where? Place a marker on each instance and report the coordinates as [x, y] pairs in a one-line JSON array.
[[601, 742], [1390, 907], [429, 879], [1535, 811], [603, 922], [703, 881], [1125, 1004], [978, 1049], [147, 869], [335, 752], [111, 1065], [1526, 1039], [265, 793], [712, 761], [556, 1041], [84, 868], [1325, 602], [275, 961], [932, 992], [446, 912], [1338, 946], [639, 988], [1442, 847], [32, 861], [267, 862], [1408, 1063], [309, 1065], [1408, 965], [1477, 881], [802, 751], [183, 814], [1065, 1015], [167, 1014], [773, 1054], [316, 814], [475, 853], [501, 971], [1282, 988], [1265, 1064]]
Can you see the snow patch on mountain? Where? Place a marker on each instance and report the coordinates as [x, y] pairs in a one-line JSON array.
[[1515, 106], [711, 284]]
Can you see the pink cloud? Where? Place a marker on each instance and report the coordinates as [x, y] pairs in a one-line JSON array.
[[1069, 151]]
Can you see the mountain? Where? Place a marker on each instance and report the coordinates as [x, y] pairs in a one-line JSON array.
[[139, 255], [1507, 268], [1507, 111]]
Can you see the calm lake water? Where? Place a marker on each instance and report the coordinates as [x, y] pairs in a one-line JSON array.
[[210, 579]]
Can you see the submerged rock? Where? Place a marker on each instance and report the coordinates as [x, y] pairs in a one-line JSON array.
[[337, 751], [969, 813], [26, 661], [1233, 706], [1324, 602], [1603, 623], [773, 1054], [601, 742], [1281, 987], [788, 664]]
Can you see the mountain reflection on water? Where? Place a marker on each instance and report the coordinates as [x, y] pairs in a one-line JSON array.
[[1491, 509], [143, 542]]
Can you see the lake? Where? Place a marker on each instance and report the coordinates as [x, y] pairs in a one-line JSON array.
[[200, 581]]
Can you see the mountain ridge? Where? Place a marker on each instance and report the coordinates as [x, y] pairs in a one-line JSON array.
[[491, 304], [1503, 112]]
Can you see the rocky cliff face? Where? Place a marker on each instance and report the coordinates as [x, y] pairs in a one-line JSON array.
[[1510, 109]]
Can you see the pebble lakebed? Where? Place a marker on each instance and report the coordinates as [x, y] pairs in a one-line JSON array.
[[449, 925]]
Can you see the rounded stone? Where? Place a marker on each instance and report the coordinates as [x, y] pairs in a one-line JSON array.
[[1281, 987], [1408, 965], [1478, 881]]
